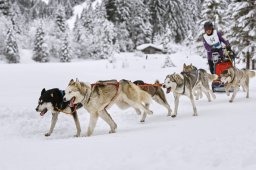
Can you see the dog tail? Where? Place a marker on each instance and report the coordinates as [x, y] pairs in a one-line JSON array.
[[251, 73], [212, 77]]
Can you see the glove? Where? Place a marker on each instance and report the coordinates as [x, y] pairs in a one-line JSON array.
[[228, 47]]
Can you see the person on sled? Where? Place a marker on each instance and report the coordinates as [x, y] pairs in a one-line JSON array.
[[212, 43]]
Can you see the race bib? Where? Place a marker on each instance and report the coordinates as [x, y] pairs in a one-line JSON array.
[[213, 40]]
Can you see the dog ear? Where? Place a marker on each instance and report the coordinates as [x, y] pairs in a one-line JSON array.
[[184, 65], [71, 82], [78, 85], [43, 91]]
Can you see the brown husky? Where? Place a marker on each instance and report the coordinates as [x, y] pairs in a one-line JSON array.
[[96, 98], [156, 93]]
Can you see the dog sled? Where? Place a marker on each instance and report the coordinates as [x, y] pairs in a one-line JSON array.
[[221, 63]]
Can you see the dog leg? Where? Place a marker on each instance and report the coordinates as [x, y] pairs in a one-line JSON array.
[[108, 119], [53, 123], [206, 92], [144, 115], [92, 123], [212, 94], [193, 104], [163, 103], [137, 111], [227, 88], [140, 106], [234, 94], [247, 87], [176, 104], [78, 128]]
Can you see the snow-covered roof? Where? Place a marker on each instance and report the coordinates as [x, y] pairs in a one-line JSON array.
[[143, 46]]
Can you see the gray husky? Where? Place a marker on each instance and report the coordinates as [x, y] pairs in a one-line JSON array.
[[156, 92], [183, 84], [180, 84], [203, 79], [97, 98], [233, 77]]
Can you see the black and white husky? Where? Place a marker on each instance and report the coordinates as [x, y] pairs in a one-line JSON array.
[[52, 100]]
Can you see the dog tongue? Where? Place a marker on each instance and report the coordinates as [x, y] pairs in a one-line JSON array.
[[43, 112], [168, 90], [71, 104]]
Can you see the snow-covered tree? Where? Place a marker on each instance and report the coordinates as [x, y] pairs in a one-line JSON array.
[[243, 29], [11, 48], [177, 18], [60, 19], [5, 6], [214, 11], [65, 51], [40, 53], [168, 63], [157, 9], [4, 24]]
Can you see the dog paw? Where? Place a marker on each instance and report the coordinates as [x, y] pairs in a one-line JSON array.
[[142, 121], [77, 135], [195, 114], [150, 112], [173, 116], [112, 131], [230, 101], [47, 134]]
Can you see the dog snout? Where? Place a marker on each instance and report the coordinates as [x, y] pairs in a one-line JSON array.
[[164, 86], [64, 99], [37, 109]]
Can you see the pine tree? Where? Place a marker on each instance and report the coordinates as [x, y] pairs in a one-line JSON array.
[[65, 51], [11, 48], [111, 10], [214, 11], [157, 11], [243, 29], [5, 6], [4, 24], [176, 18], [40, 48], [60, 19]]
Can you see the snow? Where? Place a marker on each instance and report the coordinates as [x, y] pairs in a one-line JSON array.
[[143, 46], [222, 136]]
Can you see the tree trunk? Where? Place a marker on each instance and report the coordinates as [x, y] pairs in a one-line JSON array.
[[248, 60]]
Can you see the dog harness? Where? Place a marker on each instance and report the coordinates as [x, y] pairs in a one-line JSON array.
[[105, 83]]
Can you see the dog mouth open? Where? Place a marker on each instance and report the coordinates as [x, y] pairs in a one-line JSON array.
[[43, 112], [168, 90], [71, 104]]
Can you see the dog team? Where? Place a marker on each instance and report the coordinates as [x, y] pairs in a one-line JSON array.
[[98, 97]]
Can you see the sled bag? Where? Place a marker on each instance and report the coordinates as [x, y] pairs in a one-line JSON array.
[[220, 67]]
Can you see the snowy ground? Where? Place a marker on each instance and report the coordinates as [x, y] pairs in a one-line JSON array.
[[223, 136]]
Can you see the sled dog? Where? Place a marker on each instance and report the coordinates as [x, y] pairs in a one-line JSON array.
[[182, 84], [98, 97], [156, 93], [233, 77], [202, 81], [52, 100]]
